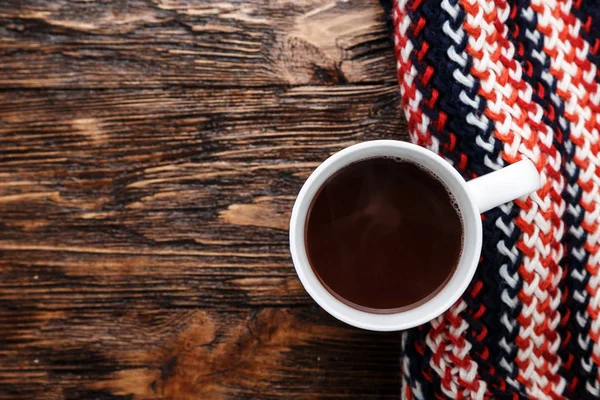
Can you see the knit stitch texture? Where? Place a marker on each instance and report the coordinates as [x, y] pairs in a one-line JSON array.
[[485, 84]]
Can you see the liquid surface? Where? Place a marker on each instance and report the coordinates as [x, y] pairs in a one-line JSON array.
[[383, 234]]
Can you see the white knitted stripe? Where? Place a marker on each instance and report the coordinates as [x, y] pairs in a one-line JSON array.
[[559, 208], [516, 130], [415, 391], [469, 374], [511, 302]]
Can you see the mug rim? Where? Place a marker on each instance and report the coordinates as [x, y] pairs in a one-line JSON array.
[[453, 288]]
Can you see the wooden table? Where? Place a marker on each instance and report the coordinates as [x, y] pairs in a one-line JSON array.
[[150, 153]]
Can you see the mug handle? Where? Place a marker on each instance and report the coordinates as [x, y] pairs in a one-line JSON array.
[[507, 184]]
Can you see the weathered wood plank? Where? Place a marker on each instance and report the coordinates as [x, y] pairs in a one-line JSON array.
[[108, 128], [157, 198], [144, 43], [236, 354], [64, 280], [144, 199]]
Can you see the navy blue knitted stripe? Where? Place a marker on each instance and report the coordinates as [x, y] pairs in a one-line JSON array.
[[576, 286], [436, 61], [450, 92], [490, 271], [419, 363], [590, 9], [432, 62], [588, 13], [421, 373]]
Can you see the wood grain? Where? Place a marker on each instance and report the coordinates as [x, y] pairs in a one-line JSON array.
[[205, 354], [150, 155], [157, 193], [156, 43]]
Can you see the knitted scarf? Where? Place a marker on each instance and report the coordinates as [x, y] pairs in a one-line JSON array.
[[485, 84]]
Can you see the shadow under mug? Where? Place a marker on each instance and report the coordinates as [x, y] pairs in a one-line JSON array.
[[473, 197]]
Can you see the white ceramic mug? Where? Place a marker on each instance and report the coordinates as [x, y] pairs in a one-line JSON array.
[[473, 197]]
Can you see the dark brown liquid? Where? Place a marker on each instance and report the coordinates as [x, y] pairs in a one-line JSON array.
[[383, 234]]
